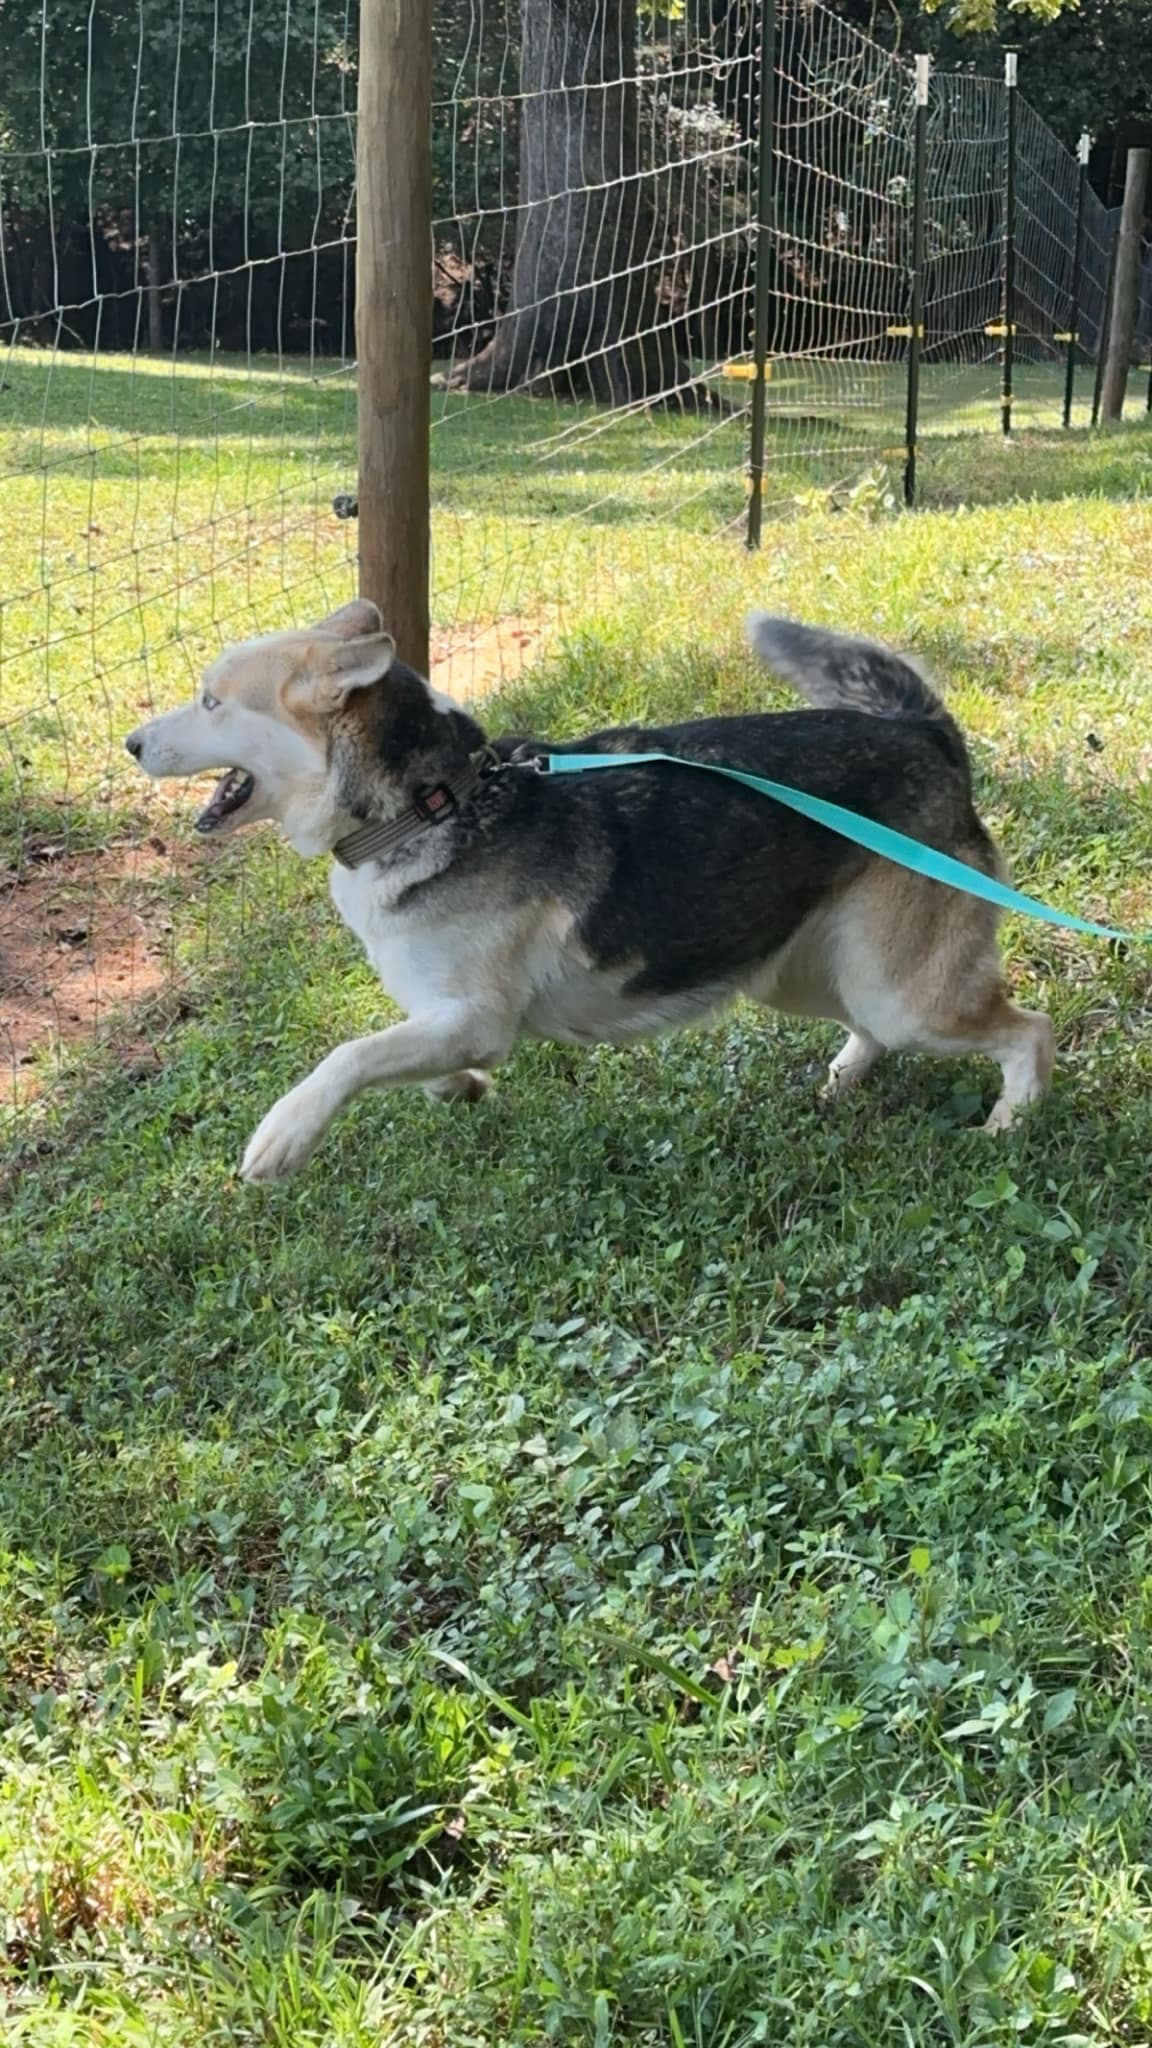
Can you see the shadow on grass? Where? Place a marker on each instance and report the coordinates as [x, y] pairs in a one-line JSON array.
[[547, 459], [55, 395]]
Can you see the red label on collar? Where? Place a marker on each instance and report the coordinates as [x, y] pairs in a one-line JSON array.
[[434, 804]]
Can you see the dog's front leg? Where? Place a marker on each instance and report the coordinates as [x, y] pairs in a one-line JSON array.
[[424, 1048]]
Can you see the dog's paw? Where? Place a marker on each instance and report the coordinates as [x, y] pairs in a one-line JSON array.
[[1003, 1117], [851, 1066], [837, 1085], [287, 1137], [469, 1085]]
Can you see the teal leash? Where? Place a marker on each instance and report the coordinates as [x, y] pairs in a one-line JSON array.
[[881, 839]]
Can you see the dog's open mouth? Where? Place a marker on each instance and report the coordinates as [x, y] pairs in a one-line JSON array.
[[230, 795]]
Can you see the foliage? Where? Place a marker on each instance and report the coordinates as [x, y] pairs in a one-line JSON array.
[[982, 17], [1083, 63], [248, 91]]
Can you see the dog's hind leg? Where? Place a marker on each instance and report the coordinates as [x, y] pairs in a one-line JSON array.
[[1023, 1044], [918, 970], [1020, 1041]]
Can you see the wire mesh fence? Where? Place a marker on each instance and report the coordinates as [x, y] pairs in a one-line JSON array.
[[840, 253], [1048, 287], [178, 384], [964, 255], [593, 272], [176, 411]]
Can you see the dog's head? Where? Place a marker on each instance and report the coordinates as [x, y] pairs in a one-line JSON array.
[[311, 729]]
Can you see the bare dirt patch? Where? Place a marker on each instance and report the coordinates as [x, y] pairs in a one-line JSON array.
[[83, 938], [470, 661]]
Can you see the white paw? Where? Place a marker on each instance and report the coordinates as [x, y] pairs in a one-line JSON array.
[[466, 1086], [838, 1084], [1001, 1118], [842, 1080], [851, 1066], [287, 1137]]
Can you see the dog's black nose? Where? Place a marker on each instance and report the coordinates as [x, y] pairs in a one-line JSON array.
[[134, 744]]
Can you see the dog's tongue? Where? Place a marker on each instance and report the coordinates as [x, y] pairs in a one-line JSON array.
[[233, 789]]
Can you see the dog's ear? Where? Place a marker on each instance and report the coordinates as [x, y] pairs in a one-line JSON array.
[[355, 621], [336, 670]]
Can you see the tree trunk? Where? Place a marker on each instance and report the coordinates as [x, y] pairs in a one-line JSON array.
[[586, 317], [1125, 291]]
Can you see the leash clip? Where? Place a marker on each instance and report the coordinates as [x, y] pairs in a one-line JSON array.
[[536, 764]]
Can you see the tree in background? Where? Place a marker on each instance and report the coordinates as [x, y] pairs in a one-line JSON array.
[[587, 315]]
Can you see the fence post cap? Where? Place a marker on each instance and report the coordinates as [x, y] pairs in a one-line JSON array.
[[923, 73], [1084, 147], [1011, 60]]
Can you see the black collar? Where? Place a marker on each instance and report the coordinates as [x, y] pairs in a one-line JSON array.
[[430, 808]]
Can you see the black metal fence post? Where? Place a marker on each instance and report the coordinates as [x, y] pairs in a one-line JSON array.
[[765, 222], [1009, 297], [916, 335], [1073, 335]]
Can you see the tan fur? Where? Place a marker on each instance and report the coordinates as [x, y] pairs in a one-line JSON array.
[[911, 966], [305, 672], [273, 700]]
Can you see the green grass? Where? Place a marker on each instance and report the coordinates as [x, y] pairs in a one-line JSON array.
[[652, 1559]]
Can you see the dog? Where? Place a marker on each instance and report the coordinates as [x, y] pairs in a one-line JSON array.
[[497, 902]]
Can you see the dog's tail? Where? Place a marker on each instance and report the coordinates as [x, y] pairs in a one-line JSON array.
[[837, 672]]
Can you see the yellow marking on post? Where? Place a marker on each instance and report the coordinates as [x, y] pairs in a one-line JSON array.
[[1065, 337], [903, 333], [1000, 329], [746, 373]]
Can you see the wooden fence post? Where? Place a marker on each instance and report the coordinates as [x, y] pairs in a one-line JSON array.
[[1126, 285], [394, 314]]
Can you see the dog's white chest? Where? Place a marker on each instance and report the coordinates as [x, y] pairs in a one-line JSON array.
[[523, 963], [407, 955]]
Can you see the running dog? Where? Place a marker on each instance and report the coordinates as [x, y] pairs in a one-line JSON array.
[[497, 902]]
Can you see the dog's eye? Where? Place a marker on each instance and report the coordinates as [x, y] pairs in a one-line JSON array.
[[210, 702]]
